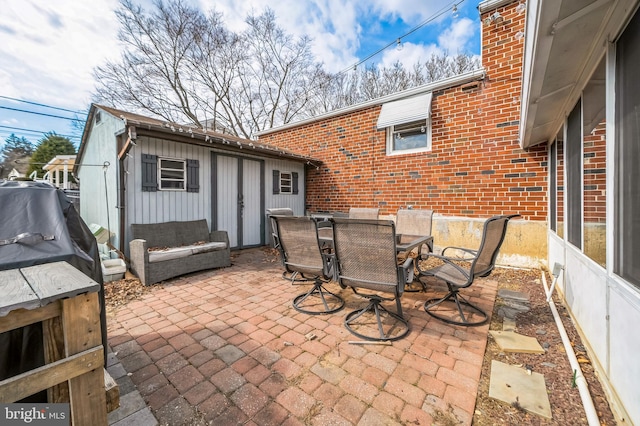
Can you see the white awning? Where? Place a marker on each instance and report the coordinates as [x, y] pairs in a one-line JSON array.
[[405, 110]]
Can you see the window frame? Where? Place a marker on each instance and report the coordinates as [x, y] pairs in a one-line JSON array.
[[161, 179], [290, 179], [391, 131]]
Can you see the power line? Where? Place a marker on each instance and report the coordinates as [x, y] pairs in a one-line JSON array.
[[35, 131], [40, 113], [42, 105], [412, 30]]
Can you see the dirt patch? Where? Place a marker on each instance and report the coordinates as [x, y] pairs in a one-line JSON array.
[[538, 322]]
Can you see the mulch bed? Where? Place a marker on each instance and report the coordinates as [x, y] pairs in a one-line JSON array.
[[538, 322]]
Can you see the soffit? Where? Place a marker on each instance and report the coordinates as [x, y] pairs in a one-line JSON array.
[[565, 42]]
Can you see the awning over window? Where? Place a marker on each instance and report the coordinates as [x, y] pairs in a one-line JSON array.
[[405, 110]]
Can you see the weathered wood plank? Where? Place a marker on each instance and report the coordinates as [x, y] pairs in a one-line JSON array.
[[58, 280], [16, 292], [112, 391], [33, 381], [21, 317], [81, 319], [53, 338]]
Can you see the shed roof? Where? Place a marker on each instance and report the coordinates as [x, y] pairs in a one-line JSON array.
[[140, 125]]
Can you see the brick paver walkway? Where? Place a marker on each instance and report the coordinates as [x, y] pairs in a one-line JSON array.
[[225, 347]]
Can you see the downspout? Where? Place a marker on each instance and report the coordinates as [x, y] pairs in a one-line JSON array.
[[130, 142], [585, 396]]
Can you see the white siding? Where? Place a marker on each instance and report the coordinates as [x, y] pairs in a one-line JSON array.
[[98, 201], [227, 203], [296, 202], [165, 206], [252, 219]]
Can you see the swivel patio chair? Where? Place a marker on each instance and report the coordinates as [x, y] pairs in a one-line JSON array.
[[366, 261], [460, 272], [302, 256], [281, 211], [412, 223]]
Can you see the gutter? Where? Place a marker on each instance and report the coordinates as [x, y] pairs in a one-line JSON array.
[[447, 83], [585, 395]]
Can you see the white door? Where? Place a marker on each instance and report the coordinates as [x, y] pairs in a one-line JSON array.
[[239, 207]]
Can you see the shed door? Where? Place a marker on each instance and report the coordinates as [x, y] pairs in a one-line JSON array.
[[239, 199]]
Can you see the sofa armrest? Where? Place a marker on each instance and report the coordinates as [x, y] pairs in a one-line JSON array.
[[139, 256], [219, 236]]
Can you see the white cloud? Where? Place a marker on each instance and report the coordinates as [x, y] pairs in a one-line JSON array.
[[53, 48], [456, 38]]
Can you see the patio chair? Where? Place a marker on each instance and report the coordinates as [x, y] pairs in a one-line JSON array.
[[366, 261], [411, 223], [282, 211], [302, 256], [363, 213], [460, 272]]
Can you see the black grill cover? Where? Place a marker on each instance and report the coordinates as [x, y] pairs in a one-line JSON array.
[[38, 209]]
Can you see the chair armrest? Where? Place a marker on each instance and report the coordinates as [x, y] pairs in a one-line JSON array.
[[406, 271], [447, 260], [472, 252]]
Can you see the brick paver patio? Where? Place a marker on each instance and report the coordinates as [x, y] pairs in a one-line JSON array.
[[225, 347]]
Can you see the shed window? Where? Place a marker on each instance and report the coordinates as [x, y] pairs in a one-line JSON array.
[[408, 124], [172, 174], [285, 182], [169, 174]]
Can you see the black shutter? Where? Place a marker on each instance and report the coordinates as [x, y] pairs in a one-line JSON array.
[[294, 182], [149, 173], [192, 176], [276, 181]]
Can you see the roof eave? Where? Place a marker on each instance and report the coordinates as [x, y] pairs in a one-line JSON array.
[[431, 87]]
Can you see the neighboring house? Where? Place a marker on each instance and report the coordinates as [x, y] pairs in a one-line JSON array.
[[451, 146], [58, 171], [136, 169], [581, 99], [14, 174]]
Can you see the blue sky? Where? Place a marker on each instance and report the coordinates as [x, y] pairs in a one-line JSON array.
[[49, 48]]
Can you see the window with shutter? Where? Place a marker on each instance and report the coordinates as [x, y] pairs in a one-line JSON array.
[[149, 173], [193, 167]]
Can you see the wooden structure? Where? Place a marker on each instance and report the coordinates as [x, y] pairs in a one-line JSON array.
[[65, 301]]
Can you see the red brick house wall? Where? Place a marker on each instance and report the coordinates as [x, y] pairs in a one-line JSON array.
[[475, 168]]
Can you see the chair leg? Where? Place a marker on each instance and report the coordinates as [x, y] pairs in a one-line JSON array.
[[457, 311], [376, 309], [322, 301]]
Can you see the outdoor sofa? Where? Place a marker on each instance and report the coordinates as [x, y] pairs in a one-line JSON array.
[[160, 251]]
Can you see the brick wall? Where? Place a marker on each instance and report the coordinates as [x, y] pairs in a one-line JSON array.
[[475, 168]]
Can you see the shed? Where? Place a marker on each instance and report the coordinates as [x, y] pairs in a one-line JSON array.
[[137, 169]]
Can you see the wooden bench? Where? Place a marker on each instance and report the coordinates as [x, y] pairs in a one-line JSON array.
[[66, 302]]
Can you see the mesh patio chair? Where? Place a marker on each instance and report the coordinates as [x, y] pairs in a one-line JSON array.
[[411, 223], [302, 256], [363, 213], [460, 272], [366, 261], [281, 211]]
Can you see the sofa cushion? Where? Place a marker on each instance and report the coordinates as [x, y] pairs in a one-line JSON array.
[[169, 254], [162, 254], [207, 247]]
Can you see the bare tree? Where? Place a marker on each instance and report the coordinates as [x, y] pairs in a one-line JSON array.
[[184, 66]]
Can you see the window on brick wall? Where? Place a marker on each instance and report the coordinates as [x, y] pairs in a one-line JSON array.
[[407, 123], [627, 155], [573, 159]]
